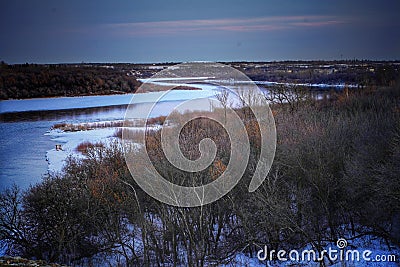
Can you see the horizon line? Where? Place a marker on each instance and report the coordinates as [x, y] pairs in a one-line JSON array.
[[194, 61]]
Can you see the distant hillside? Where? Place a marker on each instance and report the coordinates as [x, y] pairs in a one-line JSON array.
[[363, 73]]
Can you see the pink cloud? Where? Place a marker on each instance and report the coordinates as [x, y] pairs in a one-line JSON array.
[[261, 24], [318, 23]]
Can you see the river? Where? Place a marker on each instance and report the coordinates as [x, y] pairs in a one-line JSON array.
[[25, 126]]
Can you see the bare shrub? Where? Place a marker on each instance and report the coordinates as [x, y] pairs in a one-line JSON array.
[[85, 146]]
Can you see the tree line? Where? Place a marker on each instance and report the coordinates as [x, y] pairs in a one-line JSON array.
[[32, 80], [357, 73]]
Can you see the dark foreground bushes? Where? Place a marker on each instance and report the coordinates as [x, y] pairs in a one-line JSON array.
[[335, 174]]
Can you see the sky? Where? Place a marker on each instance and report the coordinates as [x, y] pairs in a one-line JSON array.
[[52, 31]]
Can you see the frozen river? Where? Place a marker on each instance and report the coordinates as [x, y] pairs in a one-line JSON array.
[[26, 139]]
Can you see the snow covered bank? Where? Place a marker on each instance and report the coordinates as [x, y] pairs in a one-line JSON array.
[[69, 142], [269, 83], [61, 103], [315, 85]]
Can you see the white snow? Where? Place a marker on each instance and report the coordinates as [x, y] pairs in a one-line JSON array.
[[70, 140], [269, 83], [152, 80], [59, 103], [362, 244]]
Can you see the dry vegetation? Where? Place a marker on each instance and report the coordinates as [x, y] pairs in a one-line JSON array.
[[71, 127], [335, 174], [21, 262], [84, 147]]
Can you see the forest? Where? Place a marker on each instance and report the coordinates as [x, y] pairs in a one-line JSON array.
[[335, 175], [32, 80]]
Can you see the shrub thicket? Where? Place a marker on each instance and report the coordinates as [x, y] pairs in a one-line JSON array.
[[335, 174]]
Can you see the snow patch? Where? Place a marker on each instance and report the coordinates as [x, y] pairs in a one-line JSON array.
[[70, 140]]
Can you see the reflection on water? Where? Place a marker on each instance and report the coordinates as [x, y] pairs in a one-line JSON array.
[[23, 149], [65, 114], [23, 143]]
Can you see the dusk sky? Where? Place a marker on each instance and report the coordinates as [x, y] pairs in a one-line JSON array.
[[52, 31]]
